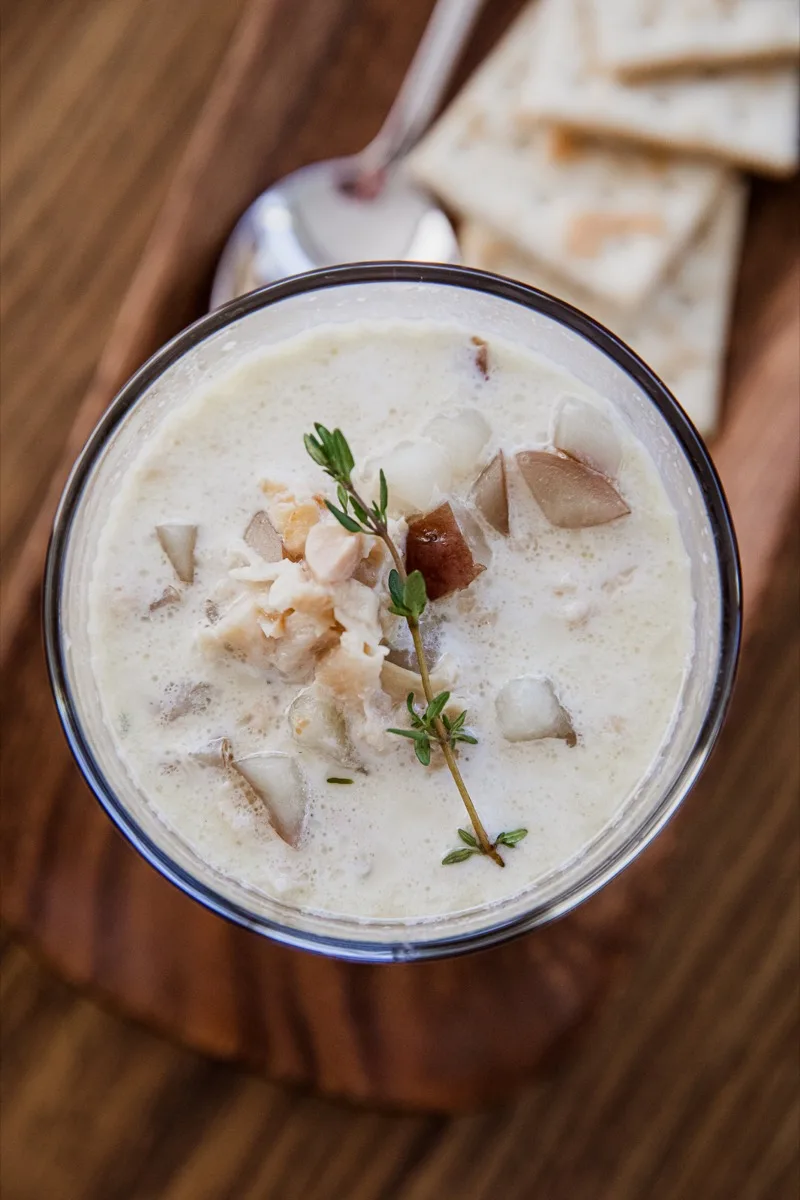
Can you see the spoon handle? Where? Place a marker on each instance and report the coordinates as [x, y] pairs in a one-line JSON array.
[[423, 86]]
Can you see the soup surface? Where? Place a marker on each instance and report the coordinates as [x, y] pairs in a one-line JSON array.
[[242, 665]]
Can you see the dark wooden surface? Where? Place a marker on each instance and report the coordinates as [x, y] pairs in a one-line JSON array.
[[688, 1086]]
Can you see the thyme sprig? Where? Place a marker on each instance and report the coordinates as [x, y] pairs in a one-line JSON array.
[[429, 726], [473, 847], [423, 729]]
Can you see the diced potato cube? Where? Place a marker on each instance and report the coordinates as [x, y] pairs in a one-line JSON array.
[[416, 472], [178, 542], [317, 725], [262, 536], [528, 709], [491, 494], [462, 433], [276, 780]]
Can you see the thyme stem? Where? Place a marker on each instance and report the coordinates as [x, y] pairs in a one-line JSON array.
[[380, 529], [330, 451]]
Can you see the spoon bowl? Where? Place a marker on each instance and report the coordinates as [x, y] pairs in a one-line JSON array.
[[360, 208], [319, 216]]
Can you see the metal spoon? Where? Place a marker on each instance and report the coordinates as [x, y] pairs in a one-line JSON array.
[[357, 208]]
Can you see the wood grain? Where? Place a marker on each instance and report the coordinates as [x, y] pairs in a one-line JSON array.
[[687, 1088]]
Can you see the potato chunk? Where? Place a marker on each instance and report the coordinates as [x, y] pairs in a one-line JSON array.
[[276, 780], [447, 548], [528, 710], [316, 724], [416, 472], [583, 432], [462, 433], [178, 542], [570, 494], [490, 494], [262, 536]]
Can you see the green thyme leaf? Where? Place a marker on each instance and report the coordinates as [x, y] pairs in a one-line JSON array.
[[511, 838], [335, 779], [415, 596], [457, 856], [422, 749], [465, 737], [435, 707], [468, 837], [315, 450], [396, 589], [344, 455], [343, 519], [360, 512], [416, 734], [383, 503]]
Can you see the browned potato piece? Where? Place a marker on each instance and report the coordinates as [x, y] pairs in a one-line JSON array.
[[178, 542], [262, 536], [438, 548], [491, 494], [570, 494]]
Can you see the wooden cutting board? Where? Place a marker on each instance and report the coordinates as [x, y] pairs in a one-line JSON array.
[[400, 1035]]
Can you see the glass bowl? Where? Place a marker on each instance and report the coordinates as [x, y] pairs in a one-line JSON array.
[[494, 307]]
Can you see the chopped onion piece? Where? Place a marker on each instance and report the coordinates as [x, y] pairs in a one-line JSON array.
[[570, 494], [462, 433], [449, 549], [262, 536], [528, 709], [491, 494], [583, 432], [276, 780], [316, 724], [178, 542]]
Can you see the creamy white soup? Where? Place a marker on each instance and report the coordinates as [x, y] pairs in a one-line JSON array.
[[249, 666]]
